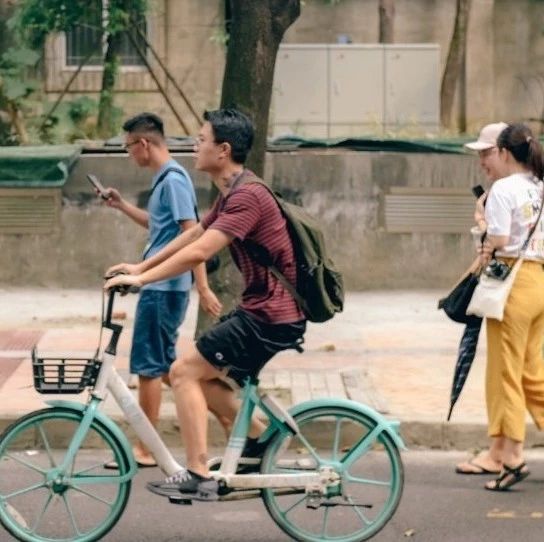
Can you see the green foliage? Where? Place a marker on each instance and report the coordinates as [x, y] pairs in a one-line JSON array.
[[20, 57], [120, 13], [15, 84], [80, 109], [35, 19]]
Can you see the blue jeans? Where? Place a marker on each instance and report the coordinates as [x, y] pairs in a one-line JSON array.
[[158, 317]]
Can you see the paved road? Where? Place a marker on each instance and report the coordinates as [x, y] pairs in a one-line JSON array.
[[437, 506]]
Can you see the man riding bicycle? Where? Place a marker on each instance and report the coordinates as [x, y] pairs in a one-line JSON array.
[[267, 319]]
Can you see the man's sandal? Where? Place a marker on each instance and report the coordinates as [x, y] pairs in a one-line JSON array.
[[509, 477]]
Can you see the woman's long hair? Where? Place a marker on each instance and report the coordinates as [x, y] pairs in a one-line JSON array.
[[525, 148]]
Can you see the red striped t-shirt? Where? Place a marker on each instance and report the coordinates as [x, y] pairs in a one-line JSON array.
[[249, 212]]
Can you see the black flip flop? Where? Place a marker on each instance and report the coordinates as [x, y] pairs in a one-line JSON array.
[[481, 471], [516, 475]]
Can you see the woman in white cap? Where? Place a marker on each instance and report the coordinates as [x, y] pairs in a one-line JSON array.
[[487, 462], [515, 366]]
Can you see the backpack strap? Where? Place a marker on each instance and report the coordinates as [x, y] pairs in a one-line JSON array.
[[260, 254], [163, 176]]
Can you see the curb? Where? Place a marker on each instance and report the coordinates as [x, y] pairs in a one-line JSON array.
[[416, 434]]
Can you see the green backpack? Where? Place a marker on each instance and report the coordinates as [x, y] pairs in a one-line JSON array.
[[319, 290]]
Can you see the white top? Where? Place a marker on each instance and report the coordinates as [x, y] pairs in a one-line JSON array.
[[511, 209]]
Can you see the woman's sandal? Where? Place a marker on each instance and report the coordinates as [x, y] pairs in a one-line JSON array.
[[471, 467], [509, 477]]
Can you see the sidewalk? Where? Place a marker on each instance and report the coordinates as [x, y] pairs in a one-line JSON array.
[[390, 349]]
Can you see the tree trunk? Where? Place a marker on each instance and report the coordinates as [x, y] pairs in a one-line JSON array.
[[454, 62], [256, 31], [106, 118], [387, 21], [462, 86], [18, 123]]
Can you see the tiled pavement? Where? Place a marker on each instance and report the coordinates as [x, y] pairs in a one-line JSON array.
[[392, 350]]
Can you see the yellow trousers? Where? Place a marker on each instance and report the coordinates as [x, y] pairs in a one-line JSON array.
[[515, 366]]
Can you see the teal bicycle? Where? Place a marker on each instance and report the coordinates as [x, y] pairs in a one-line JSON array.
[[331, 471]]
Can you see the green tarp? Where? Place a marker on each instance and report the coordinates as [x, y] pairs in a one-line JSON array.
[[41, 167], [453, 145]]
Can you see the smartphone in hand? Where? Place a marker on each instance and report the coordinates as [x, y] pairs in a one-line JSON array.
[[478, 191], [97, 185]]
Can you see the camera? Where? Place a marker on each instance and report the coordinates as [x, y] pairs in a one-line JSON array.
[[497, 270]]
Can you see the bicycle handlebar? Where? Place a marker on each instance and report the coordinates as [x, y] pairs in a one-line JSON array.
[[122, 289]]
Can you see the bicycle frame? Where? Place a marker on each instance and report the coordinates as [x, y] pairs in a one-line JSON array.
[[281, 421]]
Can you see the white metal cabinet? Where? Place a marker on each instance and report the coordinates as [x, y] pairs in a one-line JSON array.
[[355, 90]]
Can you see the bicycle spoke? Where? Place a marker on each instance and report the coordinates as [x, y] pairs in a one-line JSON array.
[[88, 469], [90, 495], [25, 463], [23, 491], [358, 512], [358, 480], [325, 522], [40, 517], [336, 439], [71, 514], [362, 446], [46, 444], [309, 447], [285, 512], [94, 479]]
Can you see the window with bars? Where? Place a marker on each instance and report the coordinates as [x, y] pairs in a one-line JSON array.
[[87, 42]]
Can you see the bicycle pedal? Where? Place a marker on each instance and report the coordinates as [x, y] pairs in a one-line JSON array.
[[175, 499]]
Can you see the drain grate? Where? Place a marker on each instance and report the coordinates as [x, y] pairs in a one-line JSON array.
[[16, 339]]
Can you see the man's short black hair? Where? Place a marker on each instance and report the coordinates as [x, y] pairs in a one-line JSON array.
[[233, 127], [145, 122]]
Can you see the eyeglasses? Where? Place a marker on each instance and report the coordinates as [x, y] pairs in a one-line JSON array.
[[127, 146]]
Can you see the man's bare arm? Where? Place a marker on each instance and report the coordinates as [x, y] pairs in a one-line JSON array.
[[208, 300], [211, 242], [197, 252], [188, 236]]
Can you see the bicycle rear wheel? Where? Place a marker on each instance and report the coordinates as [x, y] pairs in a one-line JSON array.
[[371, 479], [41, 503]]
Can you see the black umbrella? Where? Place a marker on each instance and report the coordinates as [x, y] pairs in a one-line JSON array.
[[467, 351]]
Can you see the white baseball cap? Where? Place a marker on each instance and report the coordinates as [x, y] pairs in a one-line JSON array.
[[488, 137]]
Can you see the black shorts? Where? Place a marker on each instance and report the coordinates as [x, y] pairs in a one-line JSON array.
[[240, 345]]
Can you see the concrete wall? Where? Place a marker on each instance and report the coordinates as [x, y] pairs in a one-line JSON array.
[[345, 189]]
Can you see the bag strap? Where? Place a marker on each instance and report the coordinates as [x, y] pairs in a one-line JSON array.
[[260, 254], [533, 229], [159, 180], [163, 176]]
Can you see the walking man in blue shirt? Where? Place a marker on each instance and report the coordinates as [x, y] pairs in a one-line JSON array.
[[162, 305]]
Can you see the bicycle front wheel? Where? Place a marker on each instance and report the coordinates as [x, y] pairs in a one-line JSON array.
[[369, 466], [40, 501]]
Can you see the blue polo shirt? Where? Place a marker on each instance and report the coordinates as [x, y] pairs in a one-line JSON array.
[[172, 201]]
